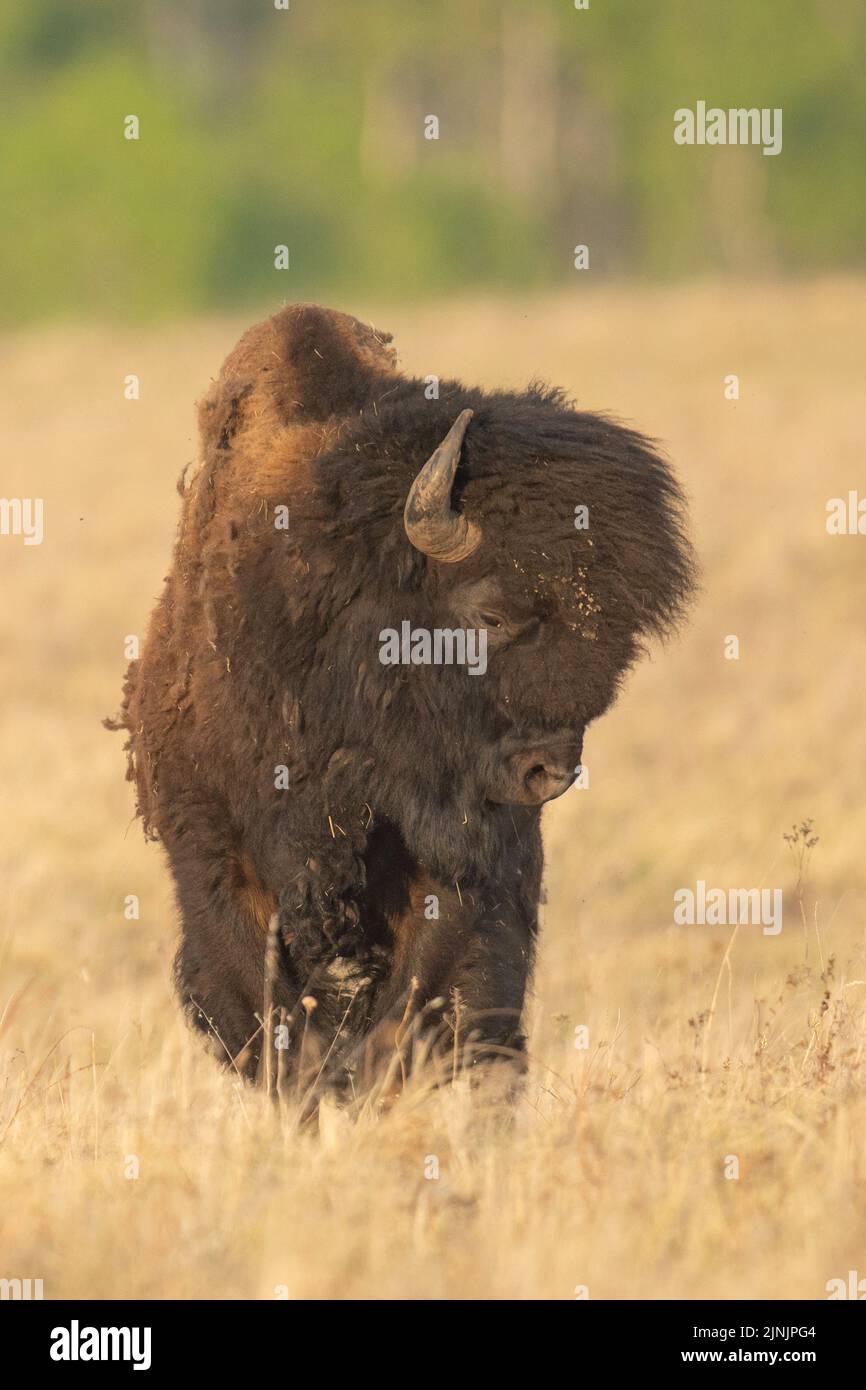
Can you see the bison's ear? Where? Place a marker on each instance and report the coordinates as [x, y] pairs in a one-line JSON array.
[[304, 364]]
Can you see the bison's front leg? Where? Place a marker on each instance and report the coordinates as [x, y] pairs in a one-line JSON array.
[[487, 989], [315, 864], [225, 912], [457, 985]]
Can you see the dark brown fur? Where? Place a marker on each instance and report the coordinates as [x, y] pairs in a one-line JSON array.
[[264, 651]]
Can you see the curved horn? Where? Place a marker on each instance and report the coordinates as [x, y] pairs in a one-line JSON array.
[[431, 525]]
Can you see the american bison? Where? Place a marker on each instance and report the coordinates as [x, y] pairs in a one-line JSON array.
[[349, 799]]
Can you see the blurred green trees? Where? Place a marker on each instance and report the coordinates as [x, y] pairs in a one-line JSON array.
[[306, 128]]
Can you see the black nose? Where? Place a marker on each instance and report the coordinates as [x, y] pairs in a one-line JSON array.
[[543, 776], [545, 780]]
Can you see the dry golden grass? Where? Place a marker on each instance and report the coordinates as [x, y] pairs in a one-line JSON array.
[[611, 1174]]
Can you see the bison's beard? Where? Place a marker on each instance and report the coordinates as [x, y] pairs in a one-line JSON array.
[[424, 770], [451, 829]]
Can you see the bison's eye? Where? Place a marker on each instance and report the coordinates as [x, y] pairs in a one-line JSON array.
[[491, 620]]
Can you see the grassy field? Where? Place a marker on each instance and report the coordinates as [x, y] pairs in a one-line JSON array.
[[704, 1044]]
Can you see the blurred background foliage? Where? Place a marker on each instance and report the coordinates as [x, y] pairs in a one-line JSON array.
[[305, 127]]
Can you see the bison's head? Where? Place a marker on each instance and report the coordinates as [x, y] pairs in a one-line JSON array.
[[553, 537], [535, 755]]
